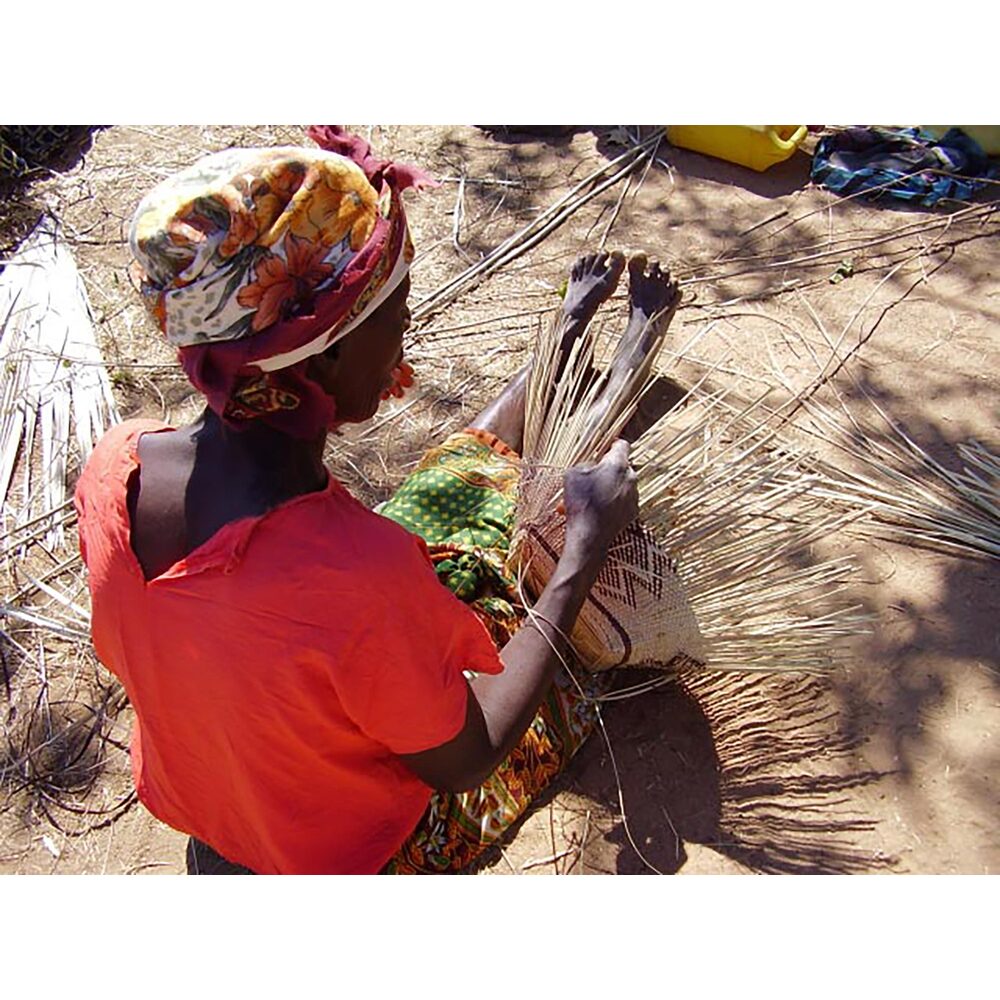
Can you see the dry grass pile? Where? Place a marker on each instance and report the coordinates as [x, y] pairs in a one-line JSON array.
[[63, 757], [721, 569], [906, 494]]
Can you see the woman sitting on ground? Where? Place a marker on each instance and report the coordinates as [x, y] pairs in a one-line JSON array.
[[297, 669]]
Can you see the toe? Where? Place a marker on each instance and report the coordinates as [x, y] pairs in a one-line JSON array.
[[636, 267]]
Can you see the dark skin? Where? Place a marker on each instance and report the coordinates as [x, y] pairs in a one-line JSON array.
[[194, 480], [653, 300]]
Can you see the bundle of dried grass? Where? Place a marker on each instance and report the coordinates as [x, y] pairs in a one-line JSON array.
[[908, 495], [903, 492], [52, 376], [62, 736], [720, 569]]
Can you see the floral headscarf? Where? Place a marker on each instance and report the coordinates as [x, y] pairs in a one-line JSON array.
[[254, 260]]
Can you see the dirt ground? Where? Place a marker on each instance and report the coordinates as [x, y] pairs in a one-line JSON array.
[[888, 764]]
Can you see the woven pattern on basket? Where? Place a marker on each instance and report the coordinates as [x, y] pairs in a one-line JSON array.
[[636, 613]]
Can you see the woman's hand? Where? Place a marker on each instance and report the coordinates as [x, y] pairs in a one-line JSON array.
[[600, 500]]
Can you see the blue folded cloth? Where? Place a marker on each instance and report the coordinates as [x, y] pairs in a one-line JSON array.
[[902, 163]]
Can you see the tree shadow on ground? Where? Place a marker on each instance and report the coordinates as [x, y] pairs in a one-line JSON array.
[[554, 134], [519, 174], [940, 620], [777, 181]]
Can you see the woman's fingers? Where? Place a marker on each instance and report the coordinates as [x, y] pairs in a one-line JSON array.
[[619, 452]]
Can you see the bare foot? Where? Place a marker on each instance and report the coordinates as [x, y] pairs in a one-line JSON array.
[[592, 280], [653, 298]]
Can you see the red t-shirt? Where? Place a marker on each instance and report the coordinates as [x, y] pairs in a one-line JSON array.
[[278, 670]]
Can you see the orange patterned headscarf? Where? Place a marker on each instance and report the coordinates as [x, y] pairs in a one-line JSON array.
[[254, 260]]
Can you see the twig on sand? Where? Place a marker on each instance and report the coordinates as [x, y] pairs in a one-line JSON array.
[[581, 847], [823, 253], [614, 213], [503, 854], [482, 324], [625, 190], [550, 860], [765, 222], [458, 214], [394, 415], [484, 181], [673, 829], [135, 869]]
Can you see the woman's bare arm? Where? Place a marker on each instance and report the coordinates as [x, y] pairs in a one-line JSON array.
[[600, 502]]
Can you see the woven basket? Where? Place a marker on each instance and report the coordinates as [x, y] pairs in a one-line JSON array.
[[636, 613]]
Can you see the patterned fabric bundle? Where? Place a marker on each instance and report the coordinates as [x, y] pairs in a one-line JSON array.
[[255, 260], [904, 163]]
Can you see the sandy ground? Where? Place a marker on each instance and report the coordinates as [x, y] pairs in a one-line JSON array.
[[886, 765]]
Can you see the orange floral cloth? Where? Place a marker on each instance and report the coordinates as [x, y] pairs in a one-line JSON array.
[[247, 237], [255, 260]]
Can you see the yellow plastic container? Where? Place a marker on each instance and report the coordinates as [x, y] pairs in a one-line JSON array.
[[754, 146]]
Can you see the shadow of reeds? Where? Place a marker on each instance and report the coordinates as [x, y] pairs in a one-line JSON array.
[[937, 621], [751, 766]]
